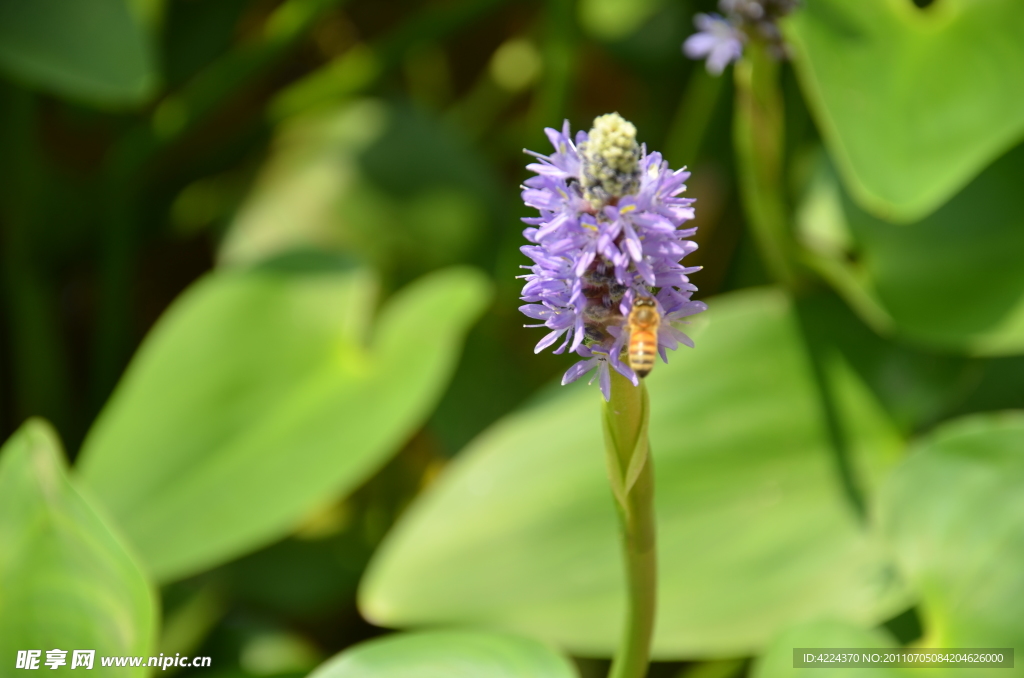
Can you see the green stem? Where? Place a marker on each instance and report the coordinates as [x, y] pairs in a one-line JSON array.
[[693, 118], [558, 50], [758, 137], [632, 479], [814, 336], [39, 370]]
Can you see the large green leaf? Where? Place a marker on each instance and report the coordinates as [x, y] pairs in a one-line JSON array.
[[951, 281], [912, 103], [755, 531], [448, 654], [777, 661], [93, 50], [256, 399], [66, 581], [954, 513]]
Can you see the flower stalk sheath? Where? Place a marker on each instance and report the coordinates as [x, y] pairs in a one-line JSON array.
[[632, 478], [758, 137]]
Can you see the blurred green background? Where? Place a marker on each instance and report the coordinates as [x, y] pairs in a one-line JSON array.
[[259, 264]]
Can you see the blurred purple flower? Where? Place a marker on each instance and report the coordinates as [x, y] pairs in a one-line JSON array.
[[718, 40], [608, 233]]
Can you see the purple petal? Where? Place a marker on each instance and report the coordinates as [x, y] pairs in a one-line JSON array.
[[548, 339], [699, 45], [606, 380], [578, 370]]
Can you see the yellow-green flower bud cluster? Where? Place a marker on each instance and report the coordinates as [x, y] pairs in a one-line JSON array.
[[611, 160]]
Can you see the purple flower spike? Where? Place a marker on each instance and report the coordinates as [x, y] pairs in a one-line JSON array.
[[720, 39], [609, 232]]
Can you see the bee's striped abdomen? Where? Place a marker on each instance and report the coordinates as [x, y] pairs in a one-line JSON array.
[[642, 348]]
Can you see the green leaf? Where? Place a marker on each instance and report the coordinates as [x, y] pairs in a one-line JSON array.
[[256, 399], [950, 281], [755, 531], [613, 20], [92, 50], [912, 103], [954, 514], [448, 654], [389, 183], [777, 661], [66, 581], [314, 166]]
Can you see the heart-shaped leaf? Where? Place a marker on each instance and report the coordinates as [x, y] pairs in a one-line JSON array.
[[256, 399], [912, 103], [66, 581], [755, 531], [950, 281], [954, 513], [93, 50], [448, 654]]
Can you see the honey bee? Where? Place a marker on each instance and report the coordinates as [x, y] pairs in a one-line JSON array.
[[643, 335]]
